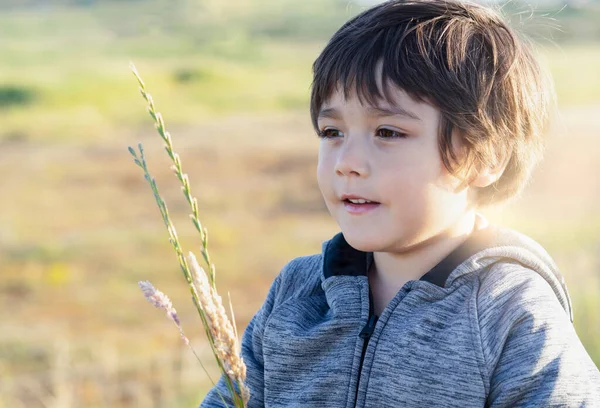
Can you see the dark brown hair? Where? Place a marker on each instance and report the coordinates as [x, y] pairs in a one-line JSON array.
[[463, 59]]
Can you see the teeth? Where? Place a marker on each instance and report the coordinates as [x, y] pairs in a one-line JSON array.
[[359, 201]]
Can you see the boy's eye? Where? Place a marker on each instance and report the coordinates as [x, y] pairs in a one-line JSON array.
[[327, 133], [390, 134], [384, 133]]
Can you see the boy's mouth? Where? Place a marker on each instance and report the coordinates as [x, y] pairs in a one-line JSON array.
[[356, 199], [359, 202]]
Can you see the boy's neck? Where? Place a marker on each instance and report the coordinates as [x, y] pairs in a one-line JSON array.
[[390, 271]]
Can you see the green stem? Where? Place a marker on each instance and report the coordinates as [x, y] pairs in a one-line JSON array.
[[173, 239], [183, 178]]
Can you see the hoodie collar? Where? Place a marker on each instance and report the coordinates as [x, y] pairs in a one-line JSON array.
[[486, 245], [342, 259]]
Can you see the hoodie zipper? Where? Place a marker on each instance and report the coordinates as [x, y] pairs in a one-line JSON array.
[[365, 334]]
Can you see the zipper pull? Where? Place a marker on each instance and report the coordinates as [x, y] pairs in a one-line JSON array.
[[369, 327]]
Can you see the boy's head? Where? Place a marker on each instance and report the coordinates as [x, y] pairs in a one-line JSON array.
[[474, 104]]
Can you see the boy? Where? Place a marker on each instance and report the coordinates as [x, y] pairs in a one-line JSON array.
[[427, 110]]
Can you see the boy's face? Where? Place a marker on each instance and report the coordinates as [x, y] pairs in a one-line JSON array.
[[362, 155]]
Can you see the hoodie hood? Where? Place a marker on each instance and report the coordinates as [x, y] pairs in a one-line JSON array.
[[488, 244]]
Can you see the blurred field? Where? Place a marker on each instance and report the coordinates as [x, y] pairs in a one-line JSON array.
[[78, 223]]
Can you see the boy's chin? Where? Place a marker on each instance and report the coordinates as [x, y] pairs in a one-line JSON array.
[[361, 241]]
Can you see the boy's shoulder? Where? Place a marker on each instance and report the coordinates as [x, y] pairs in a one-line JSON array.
[[513, 264], [300, 276], [511, 287], [523, 332]]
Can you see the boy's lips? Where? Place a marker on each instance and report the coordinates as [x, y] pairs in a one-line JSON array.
[[360, 208], [345, 197]]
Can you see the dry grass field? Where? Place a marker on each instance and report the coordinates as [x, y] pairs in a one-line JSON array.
[[79, 226]]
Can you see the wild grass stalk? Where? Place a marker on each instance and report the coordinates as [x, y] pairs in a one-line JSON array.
[[220, 332]]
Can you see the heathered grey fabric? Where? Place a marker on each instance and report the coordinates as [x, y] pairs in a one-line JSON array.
[[498, 333]]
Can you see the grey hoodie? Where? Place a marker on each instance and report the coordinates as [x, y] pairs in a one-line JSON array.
[[489, 326]]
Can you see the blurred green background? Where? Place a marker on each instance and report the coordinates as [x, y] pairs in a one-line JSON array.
[[79, 226]]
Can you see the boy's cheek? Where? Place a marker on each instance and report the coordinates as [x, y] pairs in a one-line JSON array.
[[324, 181], [325, 168]]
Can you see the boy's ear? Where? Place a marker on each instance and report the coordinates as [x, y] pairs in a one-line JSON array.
[[488, 175]]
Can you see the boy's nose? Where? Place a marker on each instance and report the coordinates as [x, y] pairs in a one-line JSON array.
[[352, 160]]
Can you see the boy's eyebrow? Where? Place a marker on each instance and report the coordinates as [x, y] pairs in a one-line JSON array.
[[376, 111], [393, 111]]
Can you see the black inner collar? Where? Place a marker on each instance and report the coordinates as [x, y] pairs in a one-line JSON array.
[[342, 259]]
